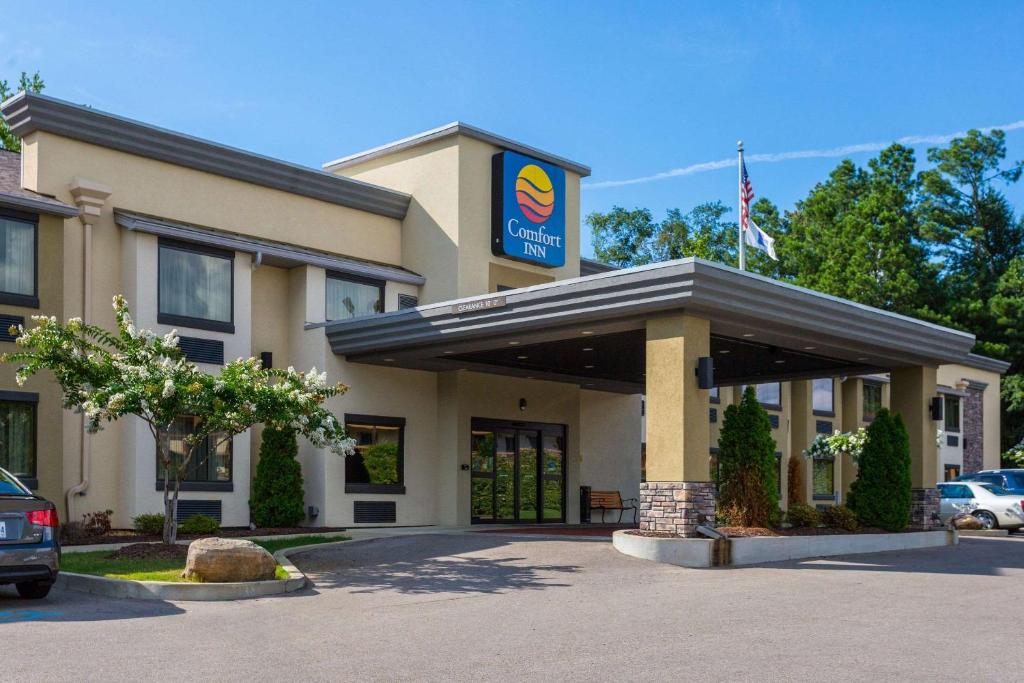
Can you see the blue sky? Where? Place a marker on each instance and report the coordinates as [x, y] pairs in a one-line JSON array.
[[632, 89]]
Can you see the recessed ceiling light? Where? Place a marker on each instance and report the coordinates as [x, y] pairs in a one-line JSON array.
[[862, 358], [588, 367], [522, 357], [513, 343], [588, 348], [810, 348], [589, 384], [587, 332], [447, 353], [724, 351], [389, 360], [530, 377], [748, 334], [779, 362]]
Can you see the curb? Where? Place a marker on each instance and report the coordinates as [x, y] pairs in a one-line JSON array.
[[117, 546], [196, 592]]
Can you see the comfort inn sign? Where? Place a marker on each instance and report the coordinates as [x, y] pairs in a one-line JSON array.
[[527, 212]]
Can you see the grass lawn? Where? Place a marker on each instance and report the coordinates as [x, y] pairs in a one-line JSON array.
[[98, 563]]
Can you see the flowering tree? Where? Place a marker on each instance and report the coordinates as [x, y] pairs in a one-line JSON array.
[[137, 372]]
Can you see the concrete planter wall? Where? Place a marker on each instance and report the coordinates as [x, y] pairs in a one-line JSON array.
[[698, 552]]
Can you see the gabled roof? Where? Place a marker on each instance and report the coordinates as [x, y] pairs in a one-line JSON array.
[[14, 196], [452, 129], [29, 112]]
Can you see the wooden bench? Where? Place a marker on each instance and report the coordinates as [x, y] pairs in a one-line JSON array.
[[612, 500]]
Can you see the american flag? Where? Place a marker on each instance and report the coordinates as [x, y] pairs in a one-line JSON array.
[[746, 196]]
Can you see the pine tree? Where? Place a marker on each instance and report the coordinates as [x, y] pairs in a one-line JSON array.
[[747, 479], [880, 496], [277, 489]]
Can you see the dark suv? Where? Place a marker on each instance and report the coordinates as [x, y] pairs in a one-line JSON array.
[[29, 539], [1011, 480]]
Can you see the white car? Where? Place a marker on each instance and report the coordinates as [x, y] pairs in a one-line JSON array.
[[996, 507]]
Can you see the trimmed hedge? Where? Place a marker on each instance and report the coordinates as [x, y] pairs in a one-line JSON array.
[[800, 515], [277, 496], [880, 496]]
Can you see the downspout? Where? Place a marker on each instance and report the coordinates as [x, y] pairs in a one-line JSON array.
[[90, 197]]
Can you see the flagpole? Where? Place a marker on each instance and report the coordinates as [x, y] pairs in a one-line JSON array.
[[739, 226]]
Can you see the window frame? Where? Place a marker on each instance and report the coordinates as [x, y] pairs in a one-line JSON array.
[[832, 393], [881, 400], [824, 496], [357, 279], [946, 398], [31, 399], [192, 485], [766, 406], [13, 298], [382, 421], [186, 320], [715, 394]]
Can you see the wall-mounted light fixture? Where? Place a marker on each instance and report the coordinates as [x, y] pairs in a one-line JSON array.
[[464, 467], [705, 372], [936, 408], [522, 404]]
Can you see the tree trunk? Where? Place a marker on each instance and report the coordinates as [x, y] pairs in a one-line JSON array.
[[170, 534]]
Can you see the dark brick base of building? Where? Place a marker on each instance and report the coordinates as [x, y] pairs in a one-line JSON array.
[[676, 506], [924, 508]]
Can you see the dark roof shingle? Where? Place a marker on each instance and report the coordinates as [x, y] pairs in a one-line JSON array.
[[13, 195]]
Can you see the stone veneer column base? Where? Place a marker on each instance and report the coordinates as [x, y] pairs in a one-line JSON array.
[[923, 504], [676, 506]]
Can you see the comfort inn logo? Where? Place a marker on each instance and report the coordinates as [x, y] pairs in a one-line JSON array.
[[528, 212]]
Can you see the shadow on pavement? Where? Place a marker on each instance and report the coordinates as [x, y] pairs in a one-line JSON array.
[[65, 605], [424, 564], [974, 557]]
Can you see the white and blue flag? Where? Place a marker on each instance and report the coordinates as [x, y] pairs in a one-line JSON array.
[[752, 234], [758, 238]]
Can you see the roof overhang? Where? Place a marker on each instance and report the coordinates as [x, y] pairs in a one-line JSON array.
[[741, 306], [28, 112], [450, 130], [271, 253], [39, 204]]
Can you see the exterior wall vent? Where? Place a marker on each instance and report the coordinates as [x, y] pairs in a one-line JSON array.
[[375, 512], [200, 350], [823, 427], [6, 323], [407, 301], [952, 440], [191, 508]]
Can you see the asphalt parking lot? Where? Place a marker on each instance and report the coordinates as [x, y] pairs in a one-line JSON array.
[[494, 607]]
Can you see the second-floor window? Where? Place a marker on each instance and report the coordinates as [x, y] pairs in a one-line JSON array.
[[196, 287], [349, 296], [769, 394], [18, 237], [872, 400], [951, 414], [822, 397]]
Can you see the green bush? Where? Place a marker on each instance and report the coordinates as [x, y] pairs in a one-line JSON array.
[[840, 517], [801, 515], [199, 524], [151, 524], [381, 461], [277, 489], [747, 486], [880, 496]]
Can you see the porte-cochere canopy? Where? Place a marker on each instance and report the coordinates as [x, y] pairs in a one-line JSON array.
[[591, 330]]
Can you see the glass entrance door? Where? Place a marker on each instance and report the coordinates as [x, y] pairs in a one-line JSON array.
[[517, 472]]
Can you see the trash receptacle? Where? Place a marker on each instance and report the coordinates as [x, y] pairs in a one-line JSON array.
[[584, 505]]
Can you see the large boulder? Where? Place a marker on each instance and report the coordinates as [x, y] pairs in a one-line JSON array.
[[966, 522], [225, 560]]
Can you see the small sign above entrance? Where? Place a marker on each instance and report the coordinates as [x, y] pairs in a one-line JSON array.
[[528, 211], [479, 305]]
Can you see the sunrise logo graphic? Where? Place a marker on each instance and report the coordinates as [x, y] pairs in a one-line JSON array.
[[535, 193]]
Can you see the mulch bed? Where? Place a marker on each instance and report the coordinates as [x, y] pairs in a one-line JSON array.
[[128, 536], [150, 551]]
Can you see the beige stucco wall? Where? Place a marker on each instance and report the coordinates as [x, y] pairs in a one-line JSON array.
[[952, 374], [609, 445]]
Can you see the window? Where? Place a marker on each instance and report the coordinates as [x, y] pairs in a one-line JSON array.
[[209, 468], [823, 471], [196, 287], [715, 395], [18, 247], [997, 490], [821, 397], [770, 394], [955, 491], [872, 400], [378, 464], [951, 413], [951, 472], [349, 296], [18, 434]]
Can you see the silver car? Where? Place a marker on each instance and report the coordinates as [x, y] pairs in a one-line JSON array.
[[993, 505], [29, 539]]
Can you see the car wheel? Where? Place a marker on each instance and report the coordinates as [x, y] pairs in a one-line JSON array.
[[33, 590], [987, 519]]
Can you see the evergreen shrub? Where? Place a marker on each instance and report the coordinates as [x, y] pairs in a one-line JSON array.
[[277, 497], [747, 478], [880, 496]]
